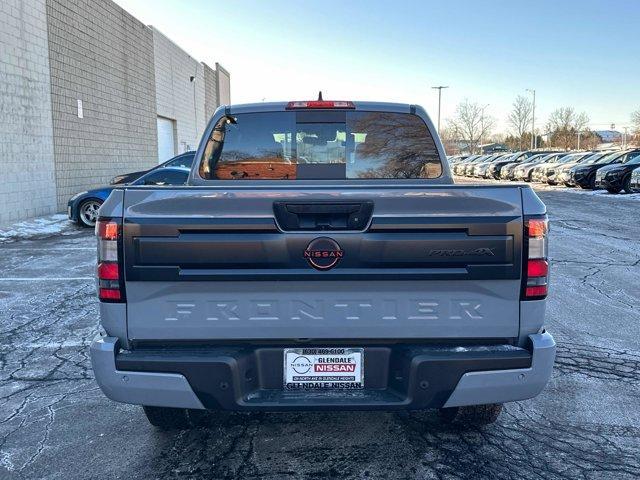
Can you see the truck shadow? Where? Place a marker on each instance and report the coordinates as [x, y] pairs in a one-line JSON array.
[[388, 445]]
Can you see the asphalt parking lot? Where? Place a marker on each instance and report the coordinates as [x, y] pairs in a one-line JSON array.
[[56, 424]]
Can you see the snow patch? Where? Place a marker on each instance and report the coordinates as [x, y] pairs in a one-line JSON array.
[[546, 187], [40, 227]]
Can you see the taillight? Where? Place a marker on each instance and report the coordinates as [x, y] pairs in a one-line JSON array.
[[109, 270], [536, 274], [320, 104]]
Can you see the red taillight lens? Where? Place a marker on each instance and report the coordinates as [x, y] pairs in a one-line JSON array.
[[110, 285], [537, 291], [320, 104], [109, 294], [537, 267], [108, 271]]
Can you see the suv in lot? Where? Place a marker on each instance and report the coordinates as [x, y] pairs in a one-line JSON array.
[[584, 174], [321, 257], [617, 177]]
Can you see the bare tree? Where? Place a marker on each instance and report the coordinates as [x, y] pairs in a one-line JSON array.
[[520, 118], [635, 121], [471, 124], [449, 140], [563, 126]]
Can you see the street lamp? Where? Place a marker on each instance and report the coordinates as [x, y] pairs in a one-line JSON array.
[[534, 140], [439, 102]]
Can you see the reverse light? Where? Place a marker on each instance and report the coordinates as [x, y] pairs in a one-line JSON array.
[[536, 279], [319, 104], [109, 269]]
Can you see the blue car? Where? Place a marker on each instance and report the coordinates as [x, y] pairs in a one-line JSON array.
[[83, 207], [183, 160]]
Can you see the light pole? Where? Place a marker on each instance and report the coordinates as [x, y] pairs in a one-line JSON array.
[[439, 103], [534, 140]]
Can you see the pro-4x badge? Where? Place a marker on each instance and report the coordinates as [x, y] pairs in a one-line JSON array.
[[480, 252], [323, 253]]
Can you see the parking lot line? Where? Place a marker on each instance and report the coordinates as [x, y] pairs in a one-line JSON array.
[[39, 279], [49, 249]]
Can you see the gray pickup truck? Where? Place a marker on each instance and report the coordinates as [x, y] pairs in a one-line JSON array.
[[321, 257]]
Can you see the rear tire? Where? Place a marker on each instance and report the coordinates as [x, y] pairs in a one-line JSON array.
[[167, 418], [474, 415]]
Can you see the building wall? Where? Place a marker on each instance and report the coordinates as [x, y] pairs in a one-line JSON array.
[[224, 85], [103, 56], [27, 188], [178, 97], [210, 91]]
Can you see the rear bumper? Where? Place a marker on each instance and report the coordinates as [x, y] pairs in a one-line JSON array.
[[72, 213], [250, 378]]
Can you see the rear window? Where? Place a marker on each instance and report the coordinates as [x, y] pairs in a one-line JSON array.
[[320, 145]]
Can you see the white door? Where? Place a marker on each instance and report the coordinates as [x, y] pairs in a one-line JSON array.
[[166, 139]]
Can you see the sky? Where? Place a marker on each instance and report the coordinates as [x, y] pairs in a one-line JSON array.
[[579, 53]]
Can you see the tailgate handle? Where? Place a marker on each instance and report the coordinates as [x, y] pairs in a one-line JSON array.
[[293, 216]]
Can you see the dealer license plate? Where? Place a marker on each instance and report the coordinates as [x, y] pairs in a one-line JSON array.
[[323, 368]]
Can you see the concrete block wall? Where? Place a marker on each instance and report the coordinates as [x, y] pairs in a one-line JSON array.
[[27, 188], [210, 91], [178, 98], [103, 56], [224, 85]]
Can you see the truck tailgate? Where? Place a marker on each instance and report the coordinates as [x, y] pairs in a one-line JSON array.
[[432, 262]]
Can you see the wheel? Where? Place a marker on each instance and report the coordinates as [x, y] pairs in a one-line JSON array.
[[626, 184], [475, 415], [167, 418], [88, 212], [613, 190]]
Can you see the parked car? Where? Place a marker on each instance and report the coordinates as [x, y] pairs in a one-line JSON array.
[[458, 167], [562, 174], [617, 177], [456, 158], [83, 207], [507, 171], [482, 170], [634, 181], [468, 167], [510, 164], [584, 174], [283, 278], [523, 171], [184, 160], [541, 173], [494, 170], [475, 168]]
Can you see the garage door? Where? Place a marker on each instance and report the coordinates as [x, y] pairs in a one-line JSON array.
[[166, 139]]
